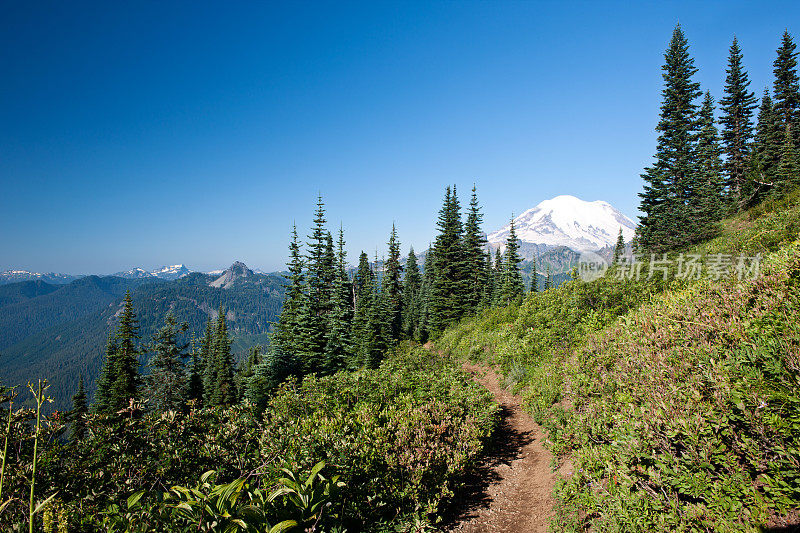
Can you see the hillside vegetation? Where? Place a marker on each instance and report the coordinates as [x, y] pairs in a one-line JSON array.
[[677, 402]]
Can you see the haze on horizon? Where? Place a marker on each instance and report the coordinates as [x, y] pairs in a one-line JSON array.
[[151, 134]]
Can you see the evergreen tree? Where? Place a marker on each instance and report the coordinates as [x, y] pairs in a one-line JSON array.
[[124, 384], [448, 295], [423, 325], [619, 249], [196, 372], [788, 174], [475, 263], [513, 286], [392, 288], [412, 283], [548, 280], [665, 224], [207, 356], [319, 273], [706, 206], [224, 392], [287, 341], [378, 337], [489, 290], [102, 401], [167, 385], [77, 415], [767, 147], [499, 278], [339, 346], [786, 89], [737, 121], [534, 276], [361, 333]]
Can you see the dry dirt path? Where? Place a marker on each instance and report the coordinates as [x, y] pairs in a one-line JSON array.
[[512, 488]]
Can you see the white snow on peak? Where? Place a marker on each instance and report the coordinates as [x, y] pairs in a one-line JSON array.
[[569, 221]]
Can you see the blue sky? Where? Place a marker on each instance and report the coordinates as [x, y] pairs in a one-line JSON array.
[[151, 133]]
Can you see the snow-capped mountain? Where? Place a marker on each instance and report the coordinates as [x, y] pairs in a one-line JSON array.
[[17, 275], [570, 222], [165, 272], [171, 272]]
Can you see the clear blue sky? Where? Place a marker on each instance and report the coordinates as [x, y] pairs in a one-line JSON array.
[[150, 133]]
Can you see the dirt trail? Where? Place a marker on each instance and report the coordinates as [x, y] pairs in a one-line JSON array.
[[512, 488]]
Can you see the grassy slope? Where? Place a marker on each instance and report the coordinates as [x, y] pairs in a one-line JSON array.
[[678, 403]]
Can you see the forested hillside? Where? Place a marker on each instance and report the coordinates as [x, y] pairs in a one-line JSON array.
[[59, 332]]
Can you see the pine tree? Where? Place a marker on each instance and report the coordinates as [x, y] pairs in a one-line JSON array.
[[412, 283], [224, 392], [125, 367], [619, 248], [207, 356], [737, 121], [513, 286], [167, 384], [706, 205], [339, 346], [429, 272], [196, 372], [534, 276], [378, 338], [489, 290], [499, 277], [548, 280], [767, 147], [287, 340], [392, 287], [448, 290], [786, 88], [788, 174], [475, 263], [364, 300], [102, 401], [78, 413], [665, 224], [318, 275]]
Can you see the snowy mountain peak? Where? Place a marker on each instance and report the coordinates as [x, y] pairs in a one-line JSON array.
[[568, 221], [171, 272]]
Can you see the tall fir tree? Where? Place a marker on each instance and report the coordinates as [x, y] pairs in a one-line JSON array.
[[666, 223], [224, 393], [448, 290], [364, 301], [196, 371], [207, 356], [287, 341], [428, 272], [788, 173], [737, 122], [339, 345], [102, 399], [499, 279], [619, 248], [78, 413], [488, 298], [377, 338], [767, 146], [786, 89], [318, 272], [548, 279], [534, 276], [125, 380], [475, 262], [513, 285], [412, 283], [707, 200], [392, 287], [167, 384]]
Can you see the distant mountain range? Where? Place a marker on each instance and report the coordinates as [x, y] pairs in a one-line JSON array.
[[15, 276], [165, 272], [59, 332], [170, 272]]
